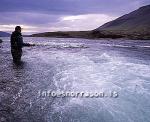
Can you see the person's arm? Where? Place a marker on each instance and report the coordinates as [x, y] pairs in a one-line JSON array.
[[26, 44], [22, 44]]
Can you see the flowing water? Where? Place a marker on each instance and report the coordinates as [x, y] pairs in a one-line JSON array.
[[121, 67]]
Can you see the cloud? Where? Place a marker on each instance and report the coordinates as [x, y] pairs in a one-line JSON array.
[[29, 21], [27, 18], [25, 28], [71, 6], [61, 23], [83, 22], [58, 15]]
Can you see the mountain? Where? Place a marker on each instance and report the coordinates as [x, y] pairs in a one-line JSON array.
[[76, 34], [135, 24], [4, 34], [64, 34]]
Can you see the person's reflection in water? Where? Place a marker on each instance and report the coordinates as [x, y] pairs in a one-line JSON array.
[[17, 44], [19, 71]]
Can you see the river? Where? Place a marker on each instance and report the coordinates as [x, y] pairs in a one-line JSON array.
[[118, 67]]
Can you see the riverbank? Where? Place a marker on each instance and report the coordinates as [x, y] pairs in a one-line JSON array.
[[95, 35]]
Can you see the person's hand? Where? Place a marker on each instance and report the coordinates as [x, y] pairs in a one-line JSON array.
[[32, 45]]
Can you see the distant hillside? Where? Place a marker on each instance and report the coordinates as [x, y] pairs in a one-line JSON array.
[[76, 34], [135, 24], [64, 34], [4, 34]]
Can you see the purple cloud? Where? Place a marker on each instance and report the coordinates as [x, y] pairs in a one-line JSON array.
[[48, 13]]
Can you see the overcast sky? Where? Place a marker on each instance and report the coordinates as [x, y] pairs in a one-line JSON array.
[[62, 15]]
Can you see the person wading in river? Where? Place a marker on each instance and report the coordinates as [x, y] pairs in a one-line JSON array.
[[17, 44]]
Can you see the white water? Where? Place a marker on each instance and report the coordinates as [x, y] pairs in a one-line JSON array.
[[94, 69]]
